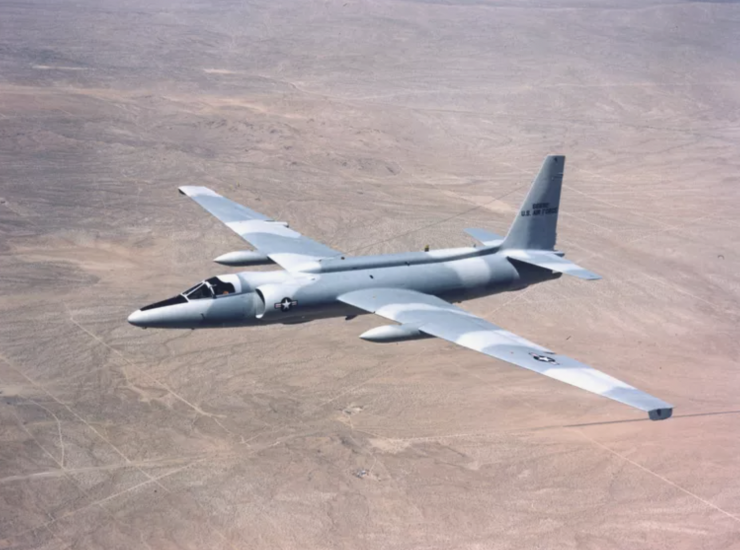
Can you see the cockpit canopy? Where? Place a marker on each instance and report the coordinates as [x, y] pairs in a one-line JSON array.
[[198, 292], [215, 286]]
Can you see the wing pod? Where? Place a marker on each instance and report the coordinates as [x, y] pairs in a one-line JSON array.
[[393, 333], [241, 258]]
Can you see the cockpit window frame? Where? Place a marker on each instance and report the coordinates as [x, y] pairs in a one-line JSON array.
[[219, 287], [192, 288], [196, 289]]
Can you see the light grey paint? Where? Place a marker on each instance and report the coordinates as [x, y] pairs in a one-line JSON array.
[[413, 288], [535, 226], [485, 236], [243, 258]]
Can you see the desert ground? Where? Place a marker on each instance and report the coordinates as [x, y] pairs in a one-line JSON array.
[[373, 127]]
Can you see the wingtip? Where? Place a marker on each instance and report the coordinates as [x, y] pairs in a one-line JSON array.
[[194, 191], [661, 414]]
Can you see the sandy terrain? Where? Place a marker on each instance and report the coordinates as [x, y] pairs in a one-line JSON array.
[[374, 127]]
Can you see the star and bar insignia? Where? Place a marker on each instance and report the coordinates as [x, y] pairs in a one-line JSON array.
[[285, 304]]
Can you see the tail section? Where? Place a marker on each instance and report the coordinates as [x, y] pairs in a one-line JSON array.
[[484, 236], [535, 227], [531, 238], [552, 262]]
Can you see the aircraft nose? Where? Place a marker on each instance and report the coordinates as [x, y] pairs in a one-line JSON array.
[[168, 315], [137, 318]]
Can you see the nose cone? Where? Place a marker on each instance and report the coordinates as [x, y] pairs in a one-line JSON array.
[[180, 313], [179, 316], [137, 318], [173, 313]]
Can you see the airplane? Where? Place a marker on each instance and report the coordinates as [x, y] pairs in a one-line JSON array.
[[413, 289]]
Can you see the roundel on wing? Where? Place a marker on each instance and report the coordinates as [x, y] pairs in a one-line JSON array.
[[543, 358]]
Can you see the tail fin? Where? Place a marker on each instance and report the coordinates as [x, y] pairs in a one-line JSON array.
[[535, 227]]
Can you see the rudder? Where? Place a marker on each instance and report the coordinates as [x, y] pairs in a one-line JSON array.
[[535, 228]]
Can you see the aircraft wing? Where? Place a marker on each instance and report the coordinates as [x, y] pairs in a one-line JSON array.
[[435, 317], [282, 245]]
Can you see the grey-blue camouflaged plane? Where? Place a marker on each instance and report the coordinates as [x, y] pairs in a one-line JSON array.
[[415, 290]]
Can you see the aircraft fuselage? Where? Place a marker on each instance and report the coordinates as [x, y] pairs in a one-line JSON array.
[[270, 297]]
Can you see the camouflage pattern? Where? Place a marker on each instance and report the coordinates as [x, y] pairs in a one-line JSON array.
[[281, 244], [412, 288], [435, 317]]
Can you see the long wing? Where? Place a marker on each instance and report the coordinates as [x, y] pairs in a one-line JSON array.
[[436, 317], [275, 240]]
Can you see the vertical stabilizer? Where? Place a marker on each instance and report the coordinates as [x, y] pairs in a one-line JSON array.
[[535, 226]]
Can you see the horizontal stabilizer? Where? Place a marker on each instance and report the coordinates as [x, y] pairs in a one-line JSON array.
[[548, 260], [485, 237]]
